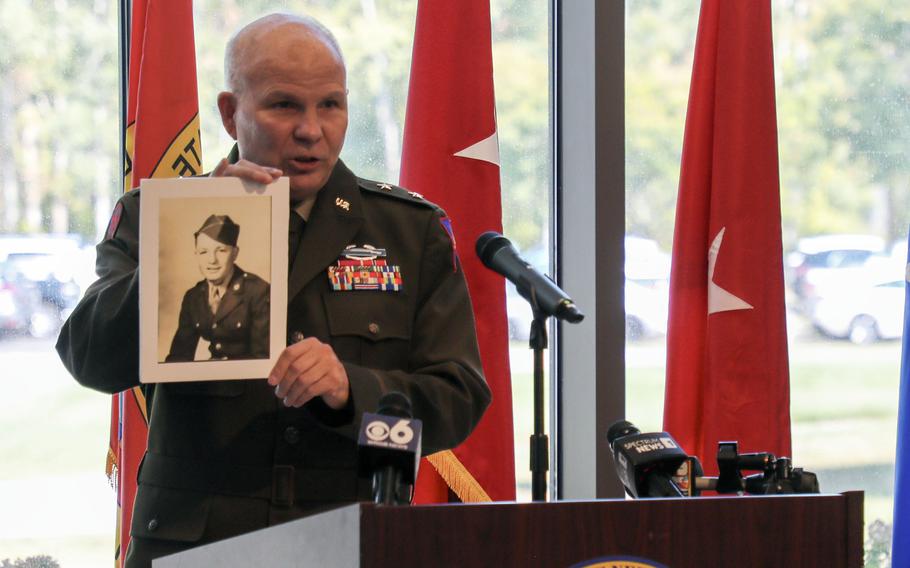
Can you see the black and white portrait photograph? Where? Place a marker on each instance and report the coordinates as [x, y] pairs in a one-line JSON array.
[[209, 303], [225, 314]]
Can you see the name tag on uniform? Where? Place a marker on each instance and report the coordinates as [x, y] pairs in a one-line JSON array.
[[364, 268]]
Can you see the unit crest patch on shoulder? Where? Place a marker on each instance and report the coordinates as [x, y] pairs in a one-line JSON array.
[[114, 222], [447, 226]]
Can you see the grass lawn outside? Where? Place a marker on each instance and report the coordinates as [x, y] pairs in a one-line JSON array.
[[55, 496]]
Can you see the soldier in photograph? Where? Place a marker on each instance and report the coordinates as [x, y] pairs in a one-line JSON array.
[[229, 307]]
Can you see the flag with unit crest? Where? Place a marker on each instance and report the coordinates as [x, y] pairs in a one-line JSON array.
[[161, 140]]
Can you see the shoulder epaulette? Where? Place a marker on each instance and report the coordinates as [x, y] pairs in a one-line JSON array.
[[394, 191]]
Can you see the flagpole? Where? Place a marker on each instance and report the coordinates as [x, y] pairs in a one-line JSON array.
[[124, 12], [900, 550], [123, 56]]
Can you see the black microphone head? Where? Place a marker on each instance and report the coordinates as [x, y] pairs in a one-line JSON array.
[[395, 404], [488, 244], [621, 429], [569, 312], [645, 463], [389, 443]]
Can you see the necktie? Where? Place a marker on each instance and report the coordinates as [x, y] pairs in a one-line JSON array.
[[296, 224], [215, 299]]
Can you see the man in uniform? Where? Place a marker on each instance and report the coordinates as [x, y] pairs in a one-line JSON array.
[[228, 457], [229, 308]]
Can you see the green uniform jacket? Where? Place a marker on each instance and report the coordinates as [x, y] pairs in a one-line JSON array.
[[239, 329], [225, 457]]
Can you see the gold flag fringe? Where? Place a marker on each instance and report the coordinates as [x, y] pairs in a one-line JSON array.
[[457, 477], [110, 468]]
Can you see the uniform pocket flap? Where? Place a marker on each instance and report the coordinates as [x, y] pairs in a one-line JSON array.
[[371, 315], [169, 514]]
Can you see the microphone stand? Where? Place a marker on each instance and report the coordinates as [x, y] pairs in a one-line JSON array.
[[385, 486], [540, 459]]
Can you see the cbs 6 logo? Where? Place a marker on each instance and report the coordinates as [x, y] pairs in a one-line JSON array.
[[400, 433]]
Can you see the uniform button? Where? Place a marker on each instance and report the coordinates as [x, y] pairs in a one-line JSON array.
[[153, 525], [296, 337], [291, 435], [214, 325], [374, 328], [238, 324], [197, 324], [217, 346]]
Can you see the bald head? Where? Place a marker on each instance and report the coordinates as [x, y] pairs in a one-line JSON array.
[[241, 52], [287, 100]]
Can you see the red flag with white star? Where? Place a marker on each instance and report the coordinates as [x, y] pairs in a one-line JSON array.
[[727, 362], [161, 140], [451, 156]]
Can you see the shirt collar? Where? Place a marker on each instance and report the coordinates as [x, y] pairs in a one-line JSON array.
[[222, 288]]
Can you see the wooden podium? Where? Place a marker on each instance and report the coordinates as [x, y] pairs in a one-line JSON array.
[[802, 530]]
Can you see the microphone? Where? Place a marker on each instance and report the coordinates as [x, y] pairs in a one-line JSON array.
[[689, 478], [645, 463], [389, 449], [497, 253]]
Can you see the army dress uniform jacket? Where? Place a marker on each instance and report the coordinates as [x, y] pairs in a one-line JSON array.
[[226, 457], [239, 328]]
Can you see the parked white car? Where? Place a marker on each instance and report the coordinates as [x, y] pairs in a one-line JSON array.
[[647, 270], [39, 281], [647, 305], [862, 314], [821, 264], [645, 302]]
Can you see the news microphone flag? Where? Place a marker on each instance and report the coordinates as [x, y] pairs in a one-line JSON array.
[[450, 154], [900, 544], [161, 140], [645, 463], [727, 362], [390, 439], [388, 451]]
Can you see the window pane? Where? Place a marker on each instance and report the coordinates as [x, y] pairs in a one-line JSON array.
[[658, 67], [59, 175], [843, 134], [58, 179]]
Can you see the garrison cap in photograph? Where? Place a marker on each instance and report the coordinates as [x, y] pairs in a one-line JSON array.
[[221, 228]]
